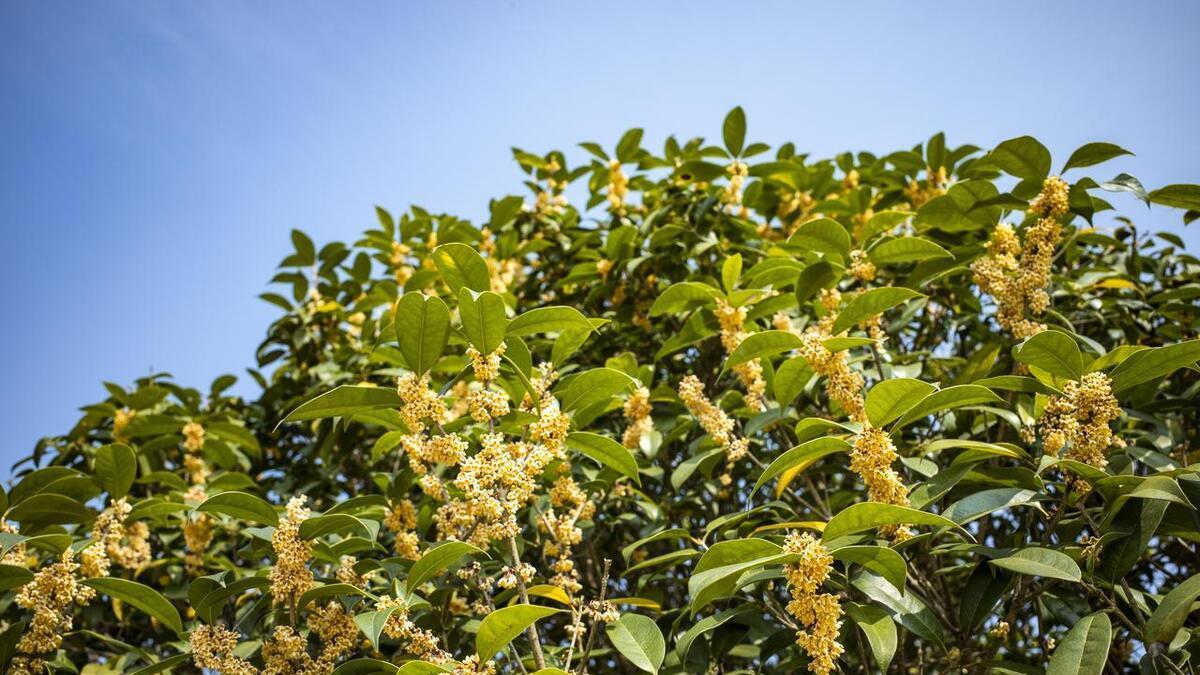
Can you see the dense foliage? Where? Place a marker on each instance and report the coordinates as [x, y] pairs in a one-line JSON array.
[[928, 411]]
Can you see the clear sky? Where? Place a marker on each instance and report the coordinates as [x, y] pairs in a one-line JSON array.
[[156, 154]]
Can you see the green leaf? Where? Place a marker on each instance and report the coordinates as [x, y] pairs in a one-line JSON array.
[[628, 146], [1084, 650], [12, 576], [985, 502], [890, 399], [423, 329], [761, 345], [116, 467], [869, 303], [731, 270], [592, 386], [50, 509], [335, 523], [462, 267], [734, 131], [345, 401], [607, 452], [501, 626], [881, 560], [1023, 157], [823, 235], [1093, 153], [417, 668], [306, 252], [241, 505], [1172, 610], [436, 559], [1054, 352], [1150, 364], [327, 591], [866, 516], [905, 250], [957, 396], [638, 639], [1180, 196], [548, 320], [483, 319], [804, 453], [164, 664], [682, 297], [813, 278], [1041, 562], [372, 623], [715, 575], [906, 609], [879, 629], [140, 596]]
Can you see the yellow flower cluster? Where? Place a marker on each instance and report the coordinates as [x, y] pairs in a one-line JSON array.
[[121, 420], [637, 412], [799, 203], [738, 172], [819, 613], [422, 643], [113, 541], [484, 403], [49, 597], [502, 273], [402, 271], [603, 267], [402, 520], [193, 442], [286, 653], [16, 554], [1081, 420], [569, 504], [842, 385], [421, 403], [918, 195], [212, 649], [193, 437], [1017, 275], [618, 186], [715, 422], [733, 320], [544, 377], [290, 577], [872, 458], [496, 483], [197, 535], [861, 267]]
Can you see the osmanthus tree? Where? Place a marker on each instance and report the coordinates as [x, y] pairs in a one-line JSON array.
[[928, 411]]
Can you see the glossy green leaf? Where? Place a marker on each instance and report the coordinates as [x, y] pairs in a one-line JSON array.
[[869, 303], [503, 625], [890, 399], [548, 320], [638, 639], [866, 516], [345, 401], [436, 559], [483, 319], [141, 597], [1054, 352], [423, 329], [116, 467], [1084, 650], [606, 451], [804, 453], [1041, 562], [462, 267], [241, 505], [763, 345]]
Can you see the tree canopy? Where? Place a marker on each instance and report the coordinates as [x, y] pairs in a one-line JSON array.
[[711, 408]]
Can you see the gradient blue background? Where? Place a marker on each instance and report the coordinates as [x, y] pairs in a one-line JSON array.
[[155, 154]]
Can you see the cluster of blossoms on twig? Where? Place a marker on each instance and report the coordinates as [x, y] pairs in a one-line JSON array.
[[715, 422], [1016, 275], [1080, 421], [750, 373], [819, 613]]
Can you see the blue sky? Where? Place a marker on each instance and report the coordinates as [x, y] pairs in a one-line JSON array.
[[156, 154]]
